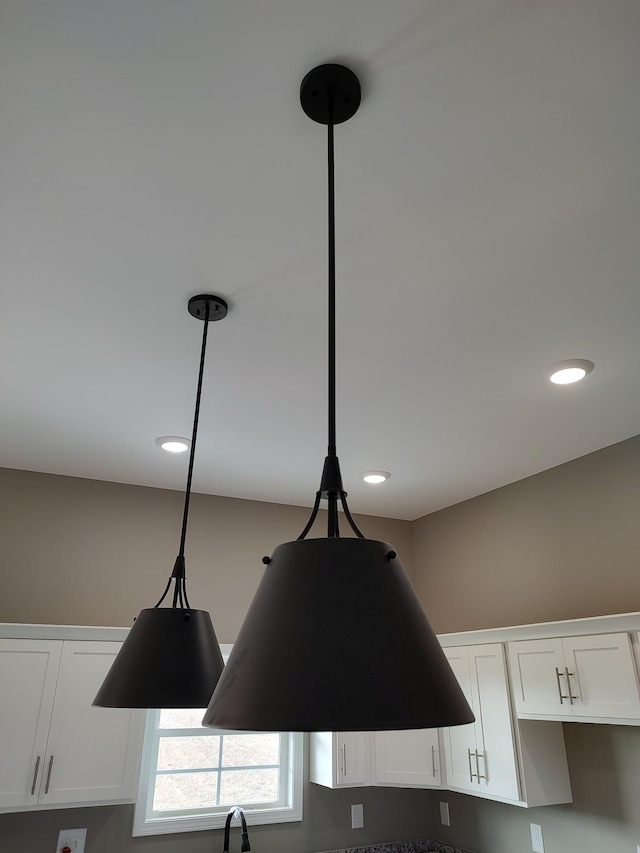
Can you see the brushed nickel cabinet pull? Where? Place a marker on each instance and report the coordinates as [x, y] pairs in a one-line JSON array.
[[46, 787], [560, 693], [35, 776], [471, 773], [433, 761], [568, 676], [483, 756]]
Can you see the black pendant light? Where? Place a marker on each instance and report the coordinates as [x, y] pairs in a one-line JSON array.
[[335, 638], [171, 657]]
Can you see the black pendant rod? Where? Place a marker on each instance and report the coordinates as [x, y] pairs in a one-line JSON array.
[[331, 450], [199, 307], [330, 94], [194, 434], [180, 598]]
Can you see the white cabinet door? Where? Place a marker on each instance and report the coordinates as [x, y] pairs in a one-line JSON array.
[[353, 766], [90, 754], [539, 679], [408, 758], [497, 767], [459, 742], [481, 757], [55, 748], [340, 759], [590, 676], [28, 673], [602, 675]]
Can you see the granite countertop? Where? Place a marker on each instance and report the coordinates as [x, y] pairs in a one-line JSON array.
[[432, 846]]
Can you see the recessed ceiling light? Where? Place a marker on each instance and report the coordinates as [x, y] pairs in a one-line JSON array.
[[375, 476], [568, 371], [173, 443]]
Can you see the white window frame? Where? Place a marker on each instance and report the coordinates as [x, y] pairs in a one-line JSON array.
[[289, 808]]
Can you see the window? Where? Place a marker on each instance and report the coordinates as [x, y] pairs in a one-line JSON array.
[[191, 775]]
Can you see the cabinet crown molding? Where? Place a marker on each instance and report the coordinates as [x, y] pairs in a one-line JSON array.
[[618, 622]]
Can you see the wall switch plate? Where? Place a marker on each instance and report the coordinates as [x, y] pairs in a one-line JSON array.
[[357, 816], [444, 814], [537, 844], [71, 840]]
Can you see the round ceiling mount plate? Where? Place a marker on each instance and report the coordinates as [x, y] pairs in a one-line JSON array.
[[198, 307], [330, 83]]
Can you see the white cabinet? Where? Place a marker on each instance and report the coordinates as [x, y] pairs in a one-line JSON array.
[[575, 677], [407, 759], [514, 761], [28, 674], [481, 756], [340, 759], [56, 748]]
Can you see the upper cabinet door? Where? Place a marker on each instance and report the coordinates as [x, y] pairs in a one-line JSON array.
[[539, 678], [496, 748], [92, 752], [408, 758], [459, 742], [339, 759], [589, 677], [602, 675], [353, 765], [28, 673]]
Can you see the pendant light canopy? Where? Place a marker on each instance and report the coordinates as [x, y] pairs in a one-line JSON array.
[[335, 638], [171, 657]]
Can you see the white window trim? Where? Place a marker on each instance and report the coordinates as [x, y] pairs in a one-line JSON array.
[[146, 824]]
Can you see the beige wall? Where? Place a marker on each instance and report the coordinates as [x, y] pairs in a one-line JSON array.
[[560, 545], [88, 552]]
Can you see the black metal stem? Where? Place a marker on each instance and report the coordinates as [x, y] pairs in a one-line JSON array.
[[352, 524], [331, 486], [312, 518], [194, 435], [331, 450], [180, 598]]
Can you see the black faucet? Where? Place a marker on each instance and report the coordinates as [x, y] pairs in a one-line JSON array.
[[236, 811]]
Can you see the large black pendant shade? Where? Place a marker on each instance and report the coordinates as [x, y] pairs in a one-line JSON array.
[[171, 657], [335, 638]]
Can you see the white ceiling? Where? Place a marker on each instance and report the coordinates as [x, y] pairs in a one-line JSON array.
[[488, 224]]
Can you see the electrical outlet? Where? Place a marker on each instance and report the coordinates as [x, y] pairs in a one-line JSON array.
[[537, 844], [444, 814], [357, 816], [71, 840]]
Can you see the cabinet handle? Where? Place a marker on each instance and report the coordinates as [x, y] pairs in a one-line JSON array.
[[471, 773], [433, 761], [35, 776], [46, 787], [483, 756], [344, 759], [568, 676], [560, 693]]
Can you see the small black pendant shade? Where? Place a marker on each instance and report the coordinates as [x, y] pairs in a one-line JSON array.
[[335, 639], [171, 657]]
